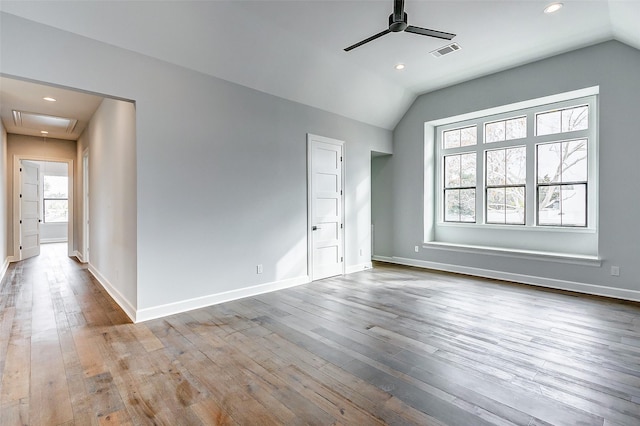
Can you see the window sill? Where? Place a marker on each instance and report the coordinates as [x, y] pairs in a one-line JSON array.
[[576, 259]]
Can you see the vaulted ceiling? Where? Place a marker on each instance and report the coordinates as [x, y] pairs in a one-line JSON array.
[[294, 49]]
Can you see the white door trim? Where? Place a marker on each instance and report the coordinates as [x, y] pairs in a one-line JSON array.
[[17, 256], [310, 139]]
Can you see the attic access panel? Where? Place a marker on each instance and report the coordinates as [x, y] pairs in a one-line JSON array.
[[50, 123]]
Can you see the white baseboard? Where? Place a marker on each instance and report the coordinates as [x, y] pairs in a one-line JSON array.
[[596, 290], [53, 240], [78, 256], [126, 306], [3, 268], [357, 268], [214, 299]]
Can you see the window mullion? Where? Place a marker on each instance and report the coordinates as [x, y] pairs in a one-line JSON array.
[[530, 179], [480, 181]]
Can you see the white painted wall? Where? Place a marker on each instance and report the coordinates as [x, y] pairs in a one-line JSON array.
[[111, 139], [611, 65], [78, 197], [221, 169], [4, 190], [53, 232]]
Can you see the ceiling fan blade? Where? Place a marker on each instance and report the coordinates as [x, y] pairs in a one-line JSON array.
[[380, 34], [430, 33], [398, 10]]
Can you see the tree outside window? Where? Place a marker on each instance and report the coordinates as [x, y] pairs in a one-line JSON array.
[[56, 199]]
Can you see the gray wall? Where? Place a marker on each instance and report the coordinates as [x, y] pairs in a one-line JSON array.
[[221, 169], [611, 65], [382, 208]]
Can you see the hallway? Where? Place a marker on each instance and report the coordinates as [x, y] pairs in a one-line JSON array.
[[47, 303]]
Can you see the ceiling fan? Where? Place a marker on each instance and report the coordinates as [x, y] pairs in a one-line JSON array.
[[397, 23]]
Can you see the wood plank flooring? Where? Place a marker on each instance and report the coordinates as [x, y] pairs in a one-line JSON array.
[[392, 345]]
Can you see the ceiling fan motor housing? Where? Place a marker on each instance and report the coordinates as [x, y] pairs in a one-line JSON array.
[[398, 23], [397, 26]]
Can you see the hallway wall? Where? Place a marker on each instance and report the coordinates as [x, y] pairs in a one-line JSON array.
[[110, 137], [4, 191]]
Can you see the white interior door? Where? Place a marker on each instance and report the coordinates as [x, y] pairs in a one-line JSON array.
[[326, 207], [29, 209]]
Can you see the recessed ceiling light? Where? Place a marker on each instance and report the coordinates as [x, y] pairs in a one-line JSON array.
[[44, 132], [399, 67], [553, 7], [50, 99]]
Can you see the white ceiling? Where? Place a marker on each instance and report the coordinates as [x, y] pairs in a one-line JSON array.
[[294, 49], [28, 97]]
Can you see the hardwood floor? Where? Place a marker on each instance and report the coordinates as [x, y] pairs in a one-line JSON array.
[[393, 345]]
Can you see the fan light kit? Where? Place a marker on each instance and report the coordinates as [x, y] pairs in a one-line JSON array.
[[553, 7], [398, 23]]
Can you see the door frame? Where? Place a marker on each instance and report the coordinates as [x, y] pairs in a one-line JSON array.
[[310, 139], [17, 255]]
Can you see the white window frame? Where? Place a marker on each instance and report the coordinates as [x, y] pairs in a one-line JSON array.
[[581, 241]]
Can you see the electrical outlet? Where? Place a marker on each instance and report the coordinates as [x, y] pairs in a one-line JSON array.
[[417, 249], [259, 269], [615, 271], [361, 252]]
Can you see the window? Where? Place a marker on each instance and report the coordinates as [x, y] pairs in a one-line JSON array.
[[564, 120], [505, 130], [56, 199], [460, 187], [562, 178], [530, 167], [460, 137], [505, 185]]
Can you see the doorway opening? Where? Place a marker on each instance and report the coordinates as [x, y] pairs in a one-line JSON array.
[[43, 204]]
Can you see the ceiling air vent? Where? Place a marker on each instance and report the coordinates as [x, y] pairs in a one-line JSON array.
[[450, 48]]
